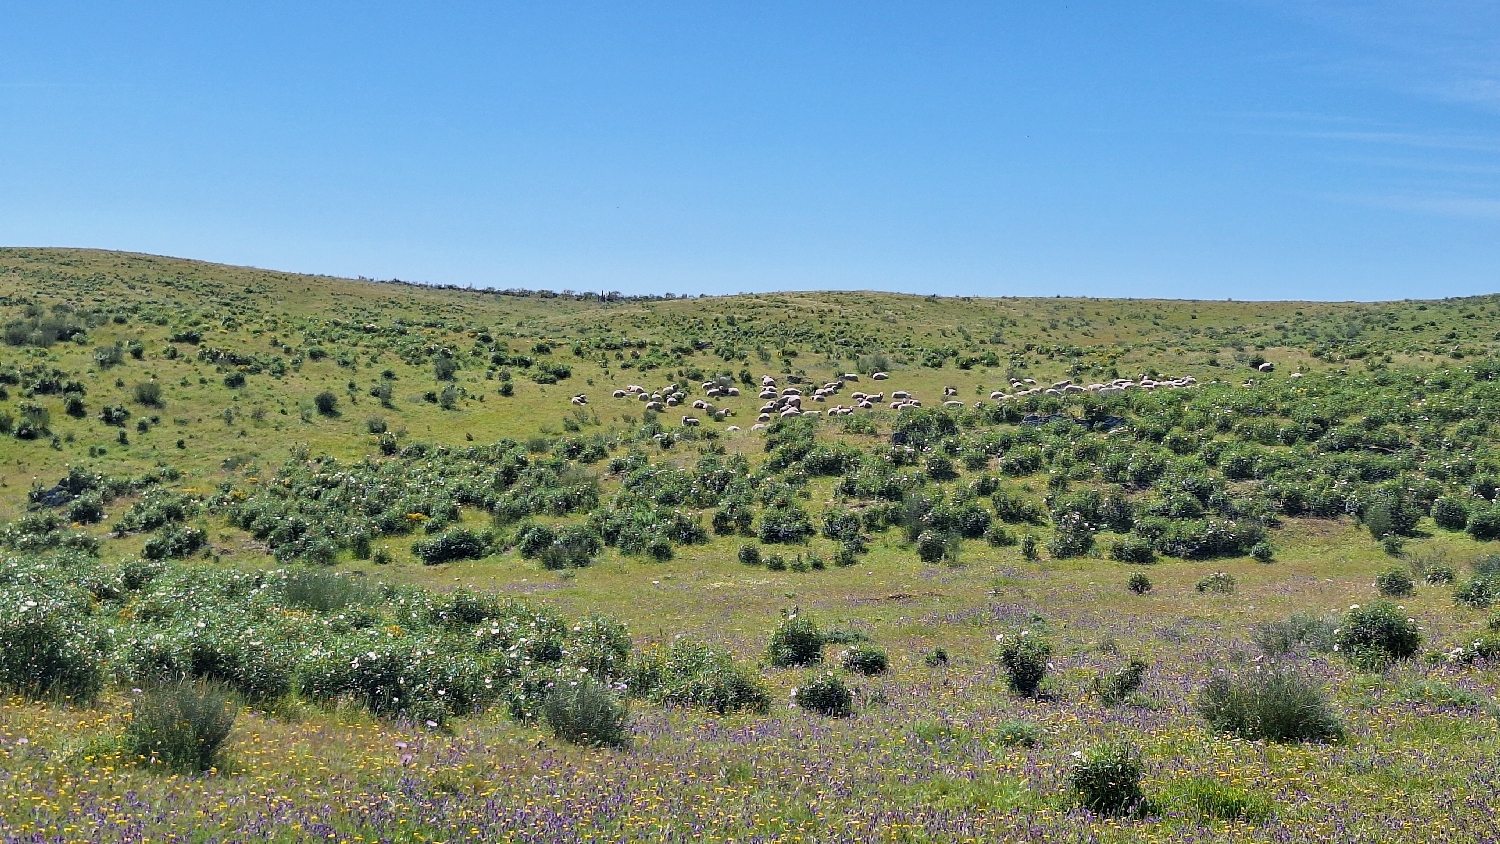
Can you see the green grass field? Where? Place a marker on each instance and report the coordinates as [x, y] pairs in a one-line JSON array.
[[419, 448]]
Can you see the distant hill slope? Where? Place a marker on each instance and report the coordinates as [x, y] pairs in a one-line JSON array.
[[240, 354]]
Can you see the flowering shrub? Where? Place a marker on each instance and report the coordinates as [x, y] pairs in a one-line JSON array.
[[1107, 779], [825, 694], [1378, 633], [795, 641]]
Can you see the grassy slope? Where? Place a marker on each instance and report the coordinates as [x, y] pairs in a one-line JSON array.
[[1322, 565]]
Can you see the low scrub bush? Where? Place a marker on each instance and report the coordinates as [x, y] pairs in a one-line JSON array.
[[1138, 583], [795, 641], [865, 659], [47, 650], [1219, 583], [181, 726], [1394, 583], [325, 592], [1374, 635], [691, 673], [1024, 658], [1107, 779], [1014, 733], [452, 544], [1450, 513], [1132, 550], [1270, 703], [825, 694], [585, 711], [174, 542], [1117, 686], [1278, 638]]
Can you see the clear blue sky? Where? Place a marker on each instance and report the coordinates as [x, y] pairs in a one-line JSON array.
[[1255, 150]]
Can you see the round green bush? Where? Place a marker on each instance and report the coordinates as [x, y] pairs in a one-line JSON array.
[[865, 659], [1132, 549], [1484, 522], [795, 641], [1394, 583], [1450, 513], [1138, 583], [825, 695], [584, 711], [1378, 633], [1261, 552], [931, 546], [749, 555]]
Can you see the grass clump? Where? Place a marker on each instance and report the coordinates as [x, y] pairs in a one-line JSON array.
[[1015, 733], [1210, 800], [586, 712], [1219, 583], [1278, 638], [181, 726], [1270, 703], [325, 592], [1107, 779]]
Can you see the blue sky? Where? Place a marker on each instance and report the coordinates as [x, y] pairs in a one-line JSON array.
[[1206, 149]]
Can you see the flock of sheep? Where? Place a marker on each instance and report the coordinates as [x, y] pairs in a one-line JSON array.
[[788, 401]]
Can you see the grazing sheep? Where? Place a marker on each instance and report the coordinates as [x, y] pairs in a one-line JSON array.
[[791, 411], [619, 394], [850, 376], [690, 421], [635, 388], [879, 376], [1031, 381], [643, 396], [957, 404], [950, 391], [732, 428], [767, 381], [764, 417], [656, 406], [1072, 388], [1296, 375], [700, 404], [1267, 367], [901, 394], [877, 398], [757, 427]]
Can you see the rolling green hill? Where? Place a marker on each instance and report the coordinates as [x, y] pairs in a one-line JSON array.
[[396, 523]]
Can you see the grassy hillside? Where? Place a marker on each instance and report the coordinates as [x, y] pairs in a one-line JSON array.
[[318, 493]]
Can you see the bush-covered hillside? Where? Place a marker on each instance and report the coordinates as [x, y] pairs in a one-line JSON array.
[[526, 565]]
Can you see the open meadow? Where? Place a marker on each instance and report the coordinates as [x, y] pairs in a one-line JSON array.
[[291, 557]]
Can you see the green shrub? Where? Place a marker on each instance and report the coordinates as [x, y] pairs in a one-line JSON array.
[[1219, 582], [795, 641], [1450, 513], [1117, 686], [1107, 779], [148, 393], [1268, 703], [1394, 583], [826, 695], [1262, 552], [1138, 583], [48, 650], [865, 659], [327, 403], [1132, 549], [1029, 547], [174, 542], [1278, 638], [1377, 634], [786, 524], [690, 673], [1484, 522], [935, 658], [1478, 592], [181, 726], [1024, 660], [1439, 575], [749, 554], [585, 711], [452, 544], [931, 546]]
